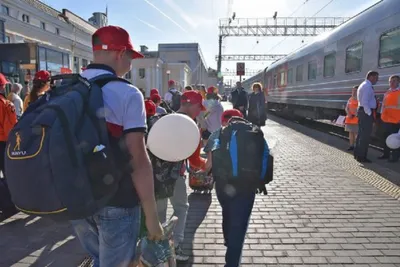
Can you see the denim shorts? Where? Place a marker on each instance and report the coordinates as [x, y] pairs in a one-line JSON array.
[[110, 236]]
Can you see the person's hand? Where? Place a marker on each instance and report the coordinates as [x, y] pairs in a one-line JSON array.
[[155, 230]]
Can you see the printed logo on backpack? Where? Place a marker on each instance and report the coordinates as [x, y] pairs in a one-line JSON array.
[[58, 160], [241, 156]]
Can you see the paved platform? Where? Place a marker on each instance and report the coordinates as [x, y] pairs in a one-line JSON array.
[[323, 209]]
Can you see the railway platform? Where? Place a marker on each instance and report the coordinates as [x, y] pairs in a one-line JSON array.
[[323, 209]]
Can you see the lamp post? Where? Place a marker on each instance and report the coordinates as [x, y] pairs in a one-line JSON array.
[[168, 73]]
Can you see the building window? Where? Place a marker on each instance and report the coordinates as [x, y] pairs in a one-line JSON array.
[[8, 39], [330, 65], [312, 70], [66, 60], [354, 55], [299, 73], [85, 63], [290, 76], [54, 61], [5, 10], [42, 58], [128, 76], [76, 65], [25, 18], [43, 25], [389, 50], [142, 73], [2, 32], [57, 31]]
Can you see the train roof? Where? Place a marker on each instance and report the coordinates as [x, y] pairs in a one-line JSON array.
[[369, 16]]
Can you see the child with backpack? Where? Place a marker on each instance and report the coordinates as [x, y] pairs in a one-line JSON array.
[[238, 156]]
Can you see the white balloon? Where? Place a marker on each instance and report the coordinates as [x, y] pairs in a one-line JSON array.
[[173, 137], [393, 141]]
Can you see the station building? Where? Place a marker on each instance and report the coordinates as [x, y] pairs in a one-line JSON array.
[[182, 62], [35, 36]]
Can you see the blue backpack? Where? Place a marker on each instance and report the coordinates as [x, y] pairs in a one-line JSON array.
[[241, 157], [59, 163]]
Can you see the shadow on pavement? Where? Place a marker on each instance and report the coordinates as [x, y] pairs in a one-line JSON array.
[[198, 207], [34, 241], [391, 171]]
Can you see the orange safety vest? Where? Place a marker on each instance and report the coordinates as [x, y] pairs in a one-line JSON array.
[[391, 107], [351, 109]]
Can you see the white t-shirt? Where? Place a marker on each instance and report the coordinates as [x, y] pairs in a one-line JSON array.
[[124, 104], [18, 103]]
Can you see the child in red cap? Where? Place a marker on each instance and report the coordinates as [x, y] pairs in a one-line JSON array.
[[150, 108], [236, 206]]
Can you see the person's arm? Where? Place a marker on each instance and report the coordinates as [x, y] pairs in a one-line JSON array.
[[134, 124]]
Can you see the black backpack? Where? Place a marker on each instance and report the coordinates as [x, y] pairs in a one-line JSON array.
[[176, 100], [165, 173], [59, 161], [241, 157]]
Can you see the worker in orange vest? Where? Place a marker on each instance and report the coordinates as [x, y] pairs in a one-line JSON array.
[[351, 122], [390, 116]]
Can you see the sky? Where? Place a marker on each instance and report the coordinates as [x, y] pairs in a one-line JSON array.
[[150, 22]]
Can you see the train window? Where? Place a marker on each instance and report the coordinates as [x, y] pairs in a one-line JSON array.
[[312, 70], [330, 65], [275, 80], [354, 55], [282, 79], [290, 76], [389, 52], [299, 73]]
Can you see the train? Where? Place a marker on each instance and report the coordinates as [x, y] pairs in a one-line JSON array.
[[316, 81]]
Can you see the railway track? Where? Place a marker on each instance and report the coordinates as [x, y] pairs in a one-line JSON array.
[[328, 128]]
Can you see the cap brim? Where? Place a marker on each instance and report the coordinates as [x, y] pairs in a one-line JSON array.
[[136, 55]]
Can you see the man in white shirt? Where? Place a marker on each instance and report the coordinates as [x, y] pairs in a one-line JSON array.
[[16, 99], [173, 96], [366, 105]]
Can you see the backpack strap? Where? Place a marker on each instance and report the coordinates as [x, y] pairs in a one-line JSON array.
[[102, 80]]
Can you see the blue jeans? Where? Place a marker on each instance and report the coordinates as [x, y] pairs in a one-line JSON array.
[[236, 211], [110, 236]]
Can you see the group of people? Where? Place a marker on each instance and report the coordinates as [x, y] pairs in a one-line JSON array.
[[364, 111], [110, 235], [252, 105]]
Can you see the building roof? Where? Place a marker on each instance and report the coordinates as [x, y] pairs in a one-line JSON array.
[[55, 13]]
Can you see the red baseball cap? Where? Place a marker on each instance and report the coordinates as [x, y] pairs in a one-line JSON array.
[[3, 80], [229, 113], [171, 82], [150, 107], [193, 97], [211, 90], [155, 98], [42, 75], [153, 91], [114, 38]]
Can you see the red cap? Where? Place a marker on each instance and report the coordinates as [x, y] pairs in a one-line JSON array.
[[155, 98], [171, 82], [193, 97], [115, 39], [150, 107], [42, 75], [229, 113], [154, 91], [211, 90], [3, 80]]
